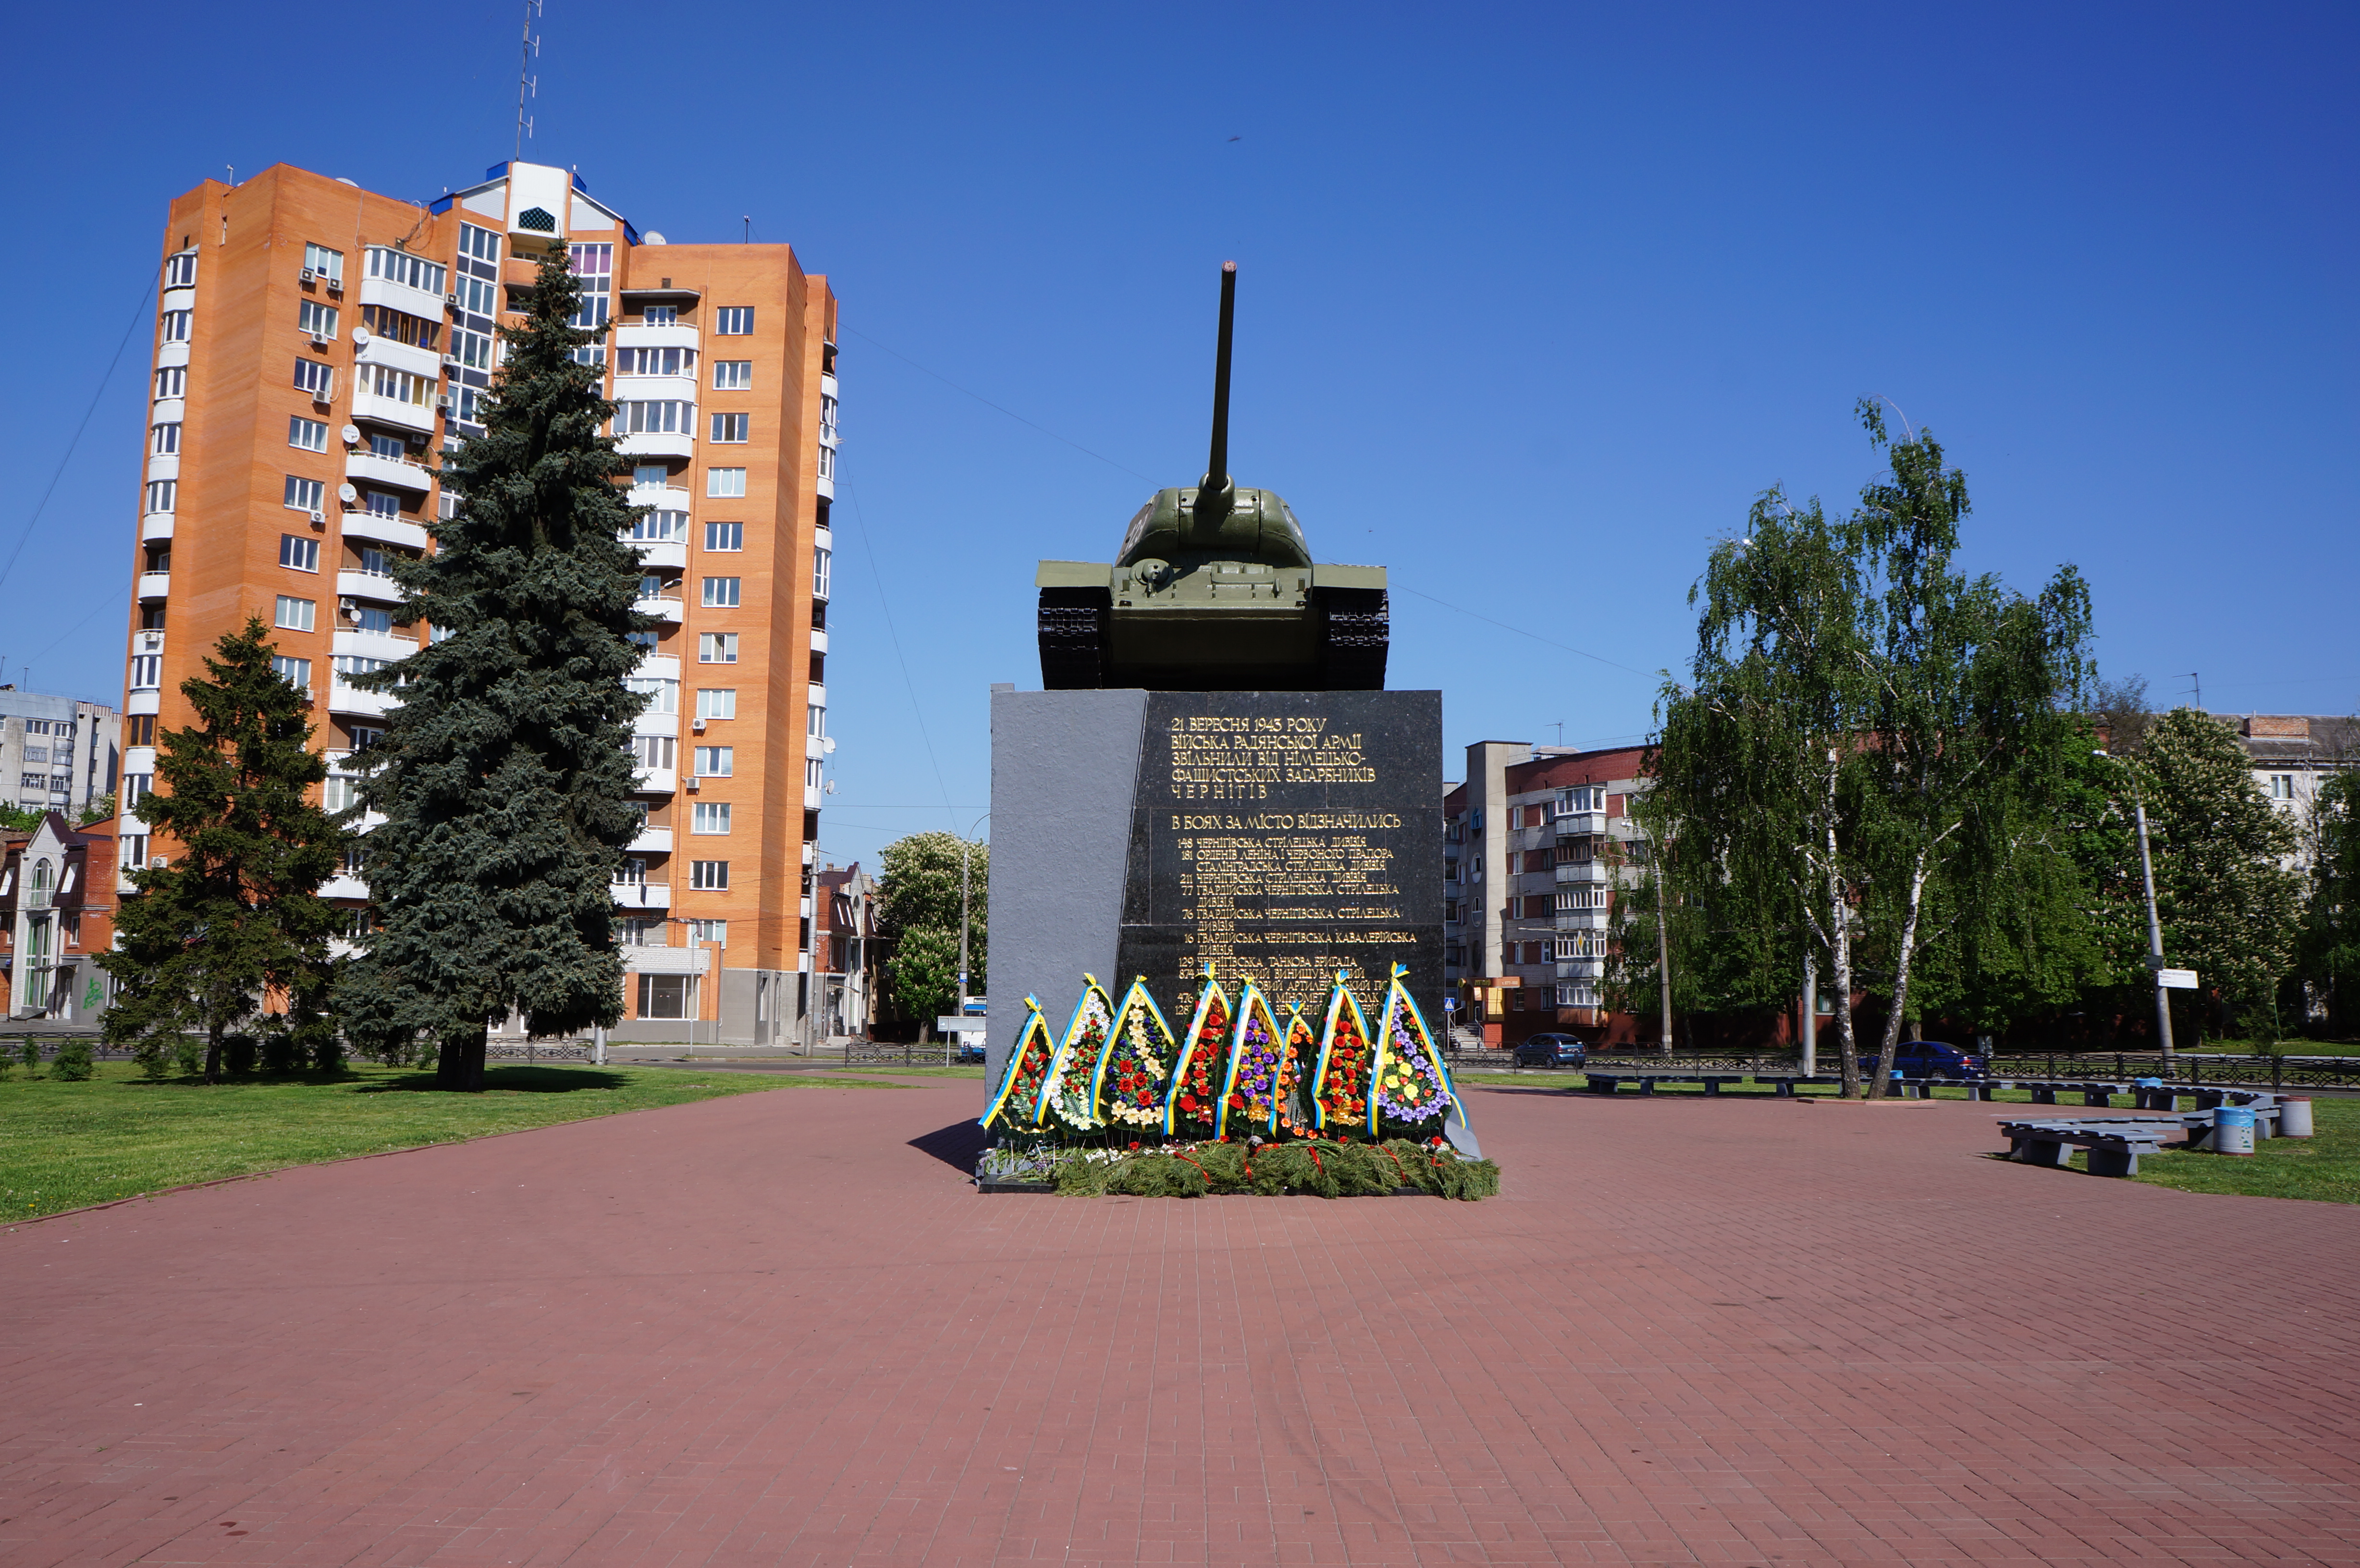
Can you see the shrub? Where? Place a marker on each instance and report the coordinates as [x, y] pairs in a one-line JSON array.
[[238, 1053], [154, 1055], [74, 1063], [189, 1054], [30, 1054]]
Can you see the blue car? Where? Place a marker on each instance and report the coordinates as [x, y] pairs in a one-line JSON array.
[[1932, 1059]]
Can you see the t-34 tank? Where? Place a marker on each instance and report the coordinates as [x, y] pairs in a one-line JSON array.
[[1214, 590]]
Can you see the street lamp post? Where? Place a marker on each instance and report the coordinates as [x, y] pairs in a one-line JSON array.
[[2154, 926], [960, 1009]]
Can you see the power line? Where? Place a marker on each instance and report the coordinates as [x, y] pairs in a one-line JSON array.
[[1520, 631], [988, 403], [137, 314], [869, 545]]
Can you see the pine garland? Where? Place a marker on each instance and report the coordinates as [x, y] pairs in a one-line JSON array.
[[1320, 1169]]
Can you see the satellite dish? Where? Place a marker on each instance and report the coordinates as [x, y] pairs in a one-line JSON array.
[[828, 746], [352, 435], [360, 334], [652, 238], [346, 492]]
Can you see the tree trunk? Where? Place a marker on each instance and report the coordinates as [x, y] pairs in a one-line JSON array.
[[1840, 945], [1894, 1017], [212, 1053], [459, 1065]]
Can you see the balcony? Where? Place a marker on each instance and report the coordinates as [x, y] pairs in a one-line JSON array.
[[344, 884], [812, 797], [164, 466], [819, 642], [377, 587], [146, 701], [1587, 873], [818, 694], [636, 388], [350, 700], [384, 530], [403, 297], [388, 472], [424, 362], [1580, 824], [168, 410], [662, 552], [653, 841], [1580, 968], [400, 415], [155, 584], [374, 644], [632, 896], [1581, 919], [655, 781], [654, 723], [665, 607], [155, 525], [658, 498], [627, 336], [658, 444], [660, 666]]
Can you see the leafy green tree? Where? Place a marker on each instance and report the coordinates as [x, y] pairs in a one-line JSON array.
[[2331, 925], [20, 819], [918, 918], [2229, 899], [925, 972], [1864, 726], [236, 915], [98, 811], [506, 774]]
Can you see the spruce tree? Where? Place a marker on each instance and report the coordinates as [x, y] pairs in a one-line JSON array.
[[504, 774], [236, 915]]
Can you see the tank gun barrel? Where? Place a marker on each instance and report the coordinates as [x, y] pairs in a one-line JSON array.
[[1215, 493]]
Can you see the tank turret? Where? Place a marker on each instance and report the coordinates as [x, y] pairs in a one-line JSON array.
[[1213, 590]]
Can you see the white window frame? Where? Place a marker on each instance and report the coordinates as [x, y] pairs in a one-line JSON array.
[[733, 321], [732, 376], [325, 263], [714, 533], [717, 761], [716, 648], [730, 429], [171, 381], [710, 818], [164, 438], [716, 701], [173, 326], [304, 495], [709, 875], [180, 269], [316, 318], [307, 435], [721, 593], [296, 614], [163, 494], [725, 484], [306, 551]]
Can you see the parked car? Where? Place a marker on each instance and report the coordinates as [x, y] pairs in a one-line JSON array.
[[971, 1053], [1932, 1059], [1552, 1050]]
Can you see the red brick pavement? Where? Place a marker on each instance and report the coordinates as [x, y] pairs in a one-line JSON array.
[[768, 1330]]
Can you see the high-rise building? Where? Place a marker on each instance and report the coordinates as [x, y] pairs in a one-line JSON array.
[[57, 753], [319, 346]]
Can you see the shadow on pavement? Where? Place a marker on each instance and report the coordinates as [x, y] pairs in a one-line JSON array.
[[514, 1081], [956, 1145]]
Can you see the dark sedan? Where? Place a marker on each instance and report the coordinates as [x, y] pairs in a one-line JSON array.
[[1932, 1059], [1552, 1050]]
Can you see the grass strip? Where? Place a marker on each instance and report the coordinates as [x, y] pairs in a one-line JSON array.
[[67, 1146]]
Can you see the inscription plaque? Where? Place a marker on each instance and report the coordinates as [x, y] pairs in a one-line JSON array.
[[1281, 836]]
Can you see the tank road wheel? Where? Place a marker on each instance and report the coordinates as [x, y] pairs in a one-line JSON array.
[[1355, 629], [1074, 638]]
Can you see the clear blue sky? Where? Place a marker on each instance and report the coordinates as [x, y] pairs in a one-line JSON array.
[[1533, 301]]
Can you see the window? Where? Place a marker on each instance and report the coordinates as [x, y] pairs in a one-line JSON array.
[[400, 266], [172, 381], [139, 729], [655, 362], [162, 494], [821, 562], [724, 536], [664, 996], [393, 448], [467, 404], [164, 440], [400, 326], [300, 553], [660, 315], [814, 719], [734, 321], [296, 614], [373, 618], [303, 495], [637, 639], [655, 751], [296, 672], [717, 702], [477, 296], [366, 736], [827, 418], [733, 375], [709, 876], [311, 435], [180, 269], [716, 761], [479, 243], [173, 327], [381, 503], [714, 931], [815, 773], [664, 696], [396, 385], [642, 930], [340, 793], [325, 263], [710, 817], [318, 320], [2281, 786], [134, 851], [655, 528], [725, 484], [317, 379], [716, 648], [663, 416], [721, 593], [594, 268], [147, 672], [730, 429], [828, 462]]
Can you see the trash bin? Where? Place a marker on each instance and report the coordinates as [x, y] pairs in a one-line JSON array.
[[2294, 1116], [2232, 1130]]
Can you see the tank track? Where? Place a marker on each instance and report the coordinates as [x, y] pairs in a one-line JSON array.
[[1355, 633], [1074, 638]]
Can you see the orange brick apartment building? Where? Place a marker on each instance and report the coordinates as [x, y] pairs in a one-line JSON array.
[[318, 346]]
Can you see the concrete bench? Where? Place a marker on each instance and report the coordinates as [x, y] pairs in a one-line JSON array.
[[2114, 1144], [1607, 1082]]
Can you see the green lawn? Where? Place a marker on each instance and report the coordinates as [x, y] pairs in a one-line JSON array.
[[63, 1146]]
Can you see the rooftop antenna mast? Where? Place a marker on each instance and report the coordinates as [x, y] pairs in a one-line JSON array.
[[2200, 688], [528, 84]]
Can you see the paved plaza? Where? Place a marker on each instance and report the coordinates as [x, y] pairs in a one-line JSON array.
[[781, 1329]]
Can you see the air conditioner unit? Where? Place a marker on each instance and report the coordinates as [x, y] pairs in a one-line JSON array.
[[450, 362], [335, 284], [156, 862], [319, 341], [691, 783], [308, 275], [324, 395], [318, 520], [450, 299], [697, 725], [442, 401]]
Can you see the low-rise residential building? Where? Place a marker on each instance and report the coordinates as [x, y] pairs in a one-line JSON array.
[[847, 913], [1536, 843], [57, 753], [2294, 754], [57, 914]]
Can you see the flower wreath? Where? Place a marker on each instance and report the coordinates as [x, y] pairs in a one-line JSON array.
[[1128, 1084], [1068, 1099], [1190, 1107], [1339, 1089], [1018, 1097], [1410, 1087], [1248, 1099]]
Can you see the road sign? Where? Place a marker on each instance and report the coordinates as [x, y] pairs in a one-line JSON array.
[[952, 1023], [2176, 979]]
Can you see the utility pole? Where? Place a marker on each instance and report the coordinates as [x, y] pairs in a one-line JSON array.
[[2155, 942], [1663, 951], [960, 1009], [1810, 1015]]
